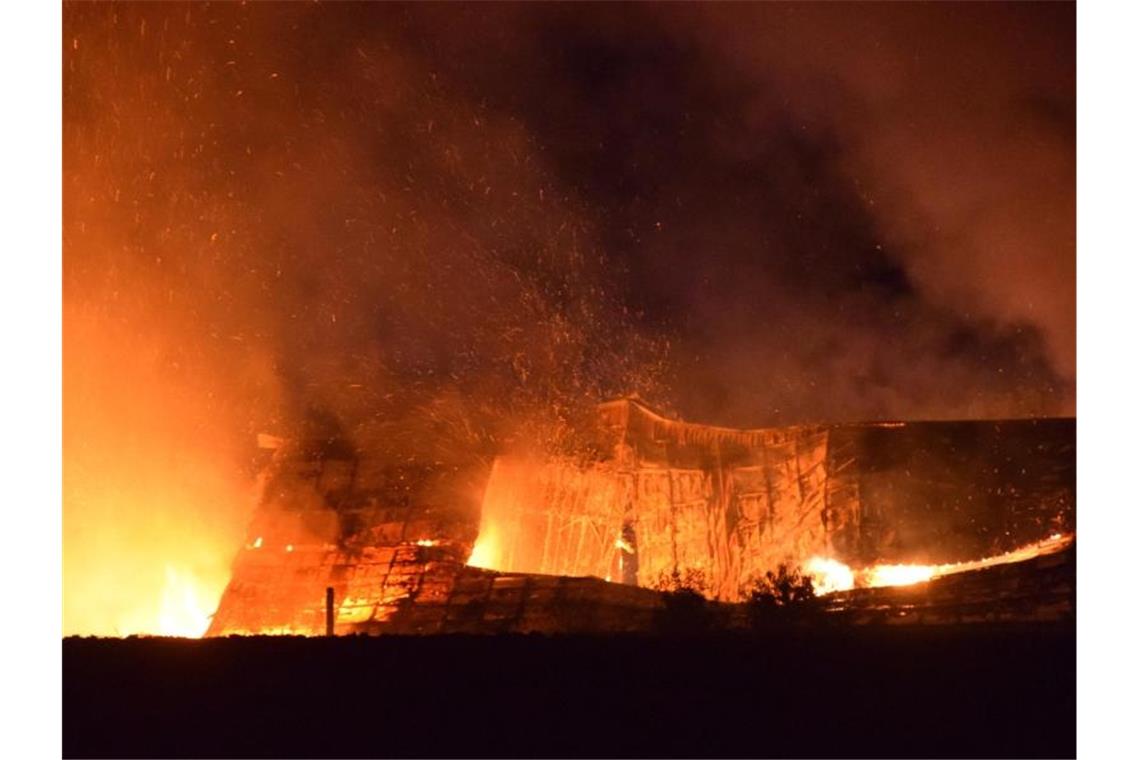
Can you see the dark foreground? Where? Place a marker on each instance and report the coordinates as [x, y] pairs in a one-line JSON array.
[[1007, 691]]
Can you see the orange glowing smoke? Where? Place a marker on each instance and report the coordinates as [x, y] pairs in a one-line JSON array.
[[830, 575]]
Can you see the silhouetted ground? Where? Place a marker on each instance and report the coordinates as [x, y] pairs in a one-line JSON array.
[[915, 691]]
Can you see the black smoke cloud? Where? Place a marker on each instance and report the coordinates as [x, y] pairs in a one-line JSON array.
[[438, 226]]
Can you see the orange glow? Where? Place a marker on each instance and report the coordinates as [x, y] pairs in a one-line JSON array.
[[830, 575]]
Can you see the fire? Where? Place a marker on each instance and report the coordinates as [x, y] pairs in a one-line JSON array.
[[898, 575], [154, 507], [277, 630], [486, 552], [830, 575], [183, 611], [427, 542]]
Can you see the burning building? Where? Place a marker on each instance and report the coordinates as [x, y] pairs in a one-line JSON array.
[[578, 543]]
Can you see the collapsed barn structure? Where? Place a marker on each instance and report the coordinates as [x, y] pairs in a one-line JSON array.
[[579, 544]]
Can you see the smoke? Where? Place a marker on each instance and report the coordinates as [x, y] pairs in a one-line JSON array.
[[834, 211], [956, 126]]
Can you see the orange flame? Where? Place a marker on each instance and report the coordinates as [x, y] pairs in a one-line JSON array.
[[485, 553], [184, 610], [153, 507], [898, 575], [830, 575]]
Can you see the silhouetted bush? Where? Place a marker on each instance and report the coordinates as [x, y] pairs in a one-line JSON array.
[[692, 581], [685, 608], [780, 596]]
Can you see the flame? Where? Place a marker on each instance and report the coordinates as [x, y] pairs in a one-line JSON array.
[[427, 542], [485, 553], [182, 611], [830, 575], [154, 507], [898, 575], [280, 630]]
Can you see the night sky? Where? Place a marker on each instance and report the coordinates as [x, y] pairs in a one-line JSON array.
[[365, 216]]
